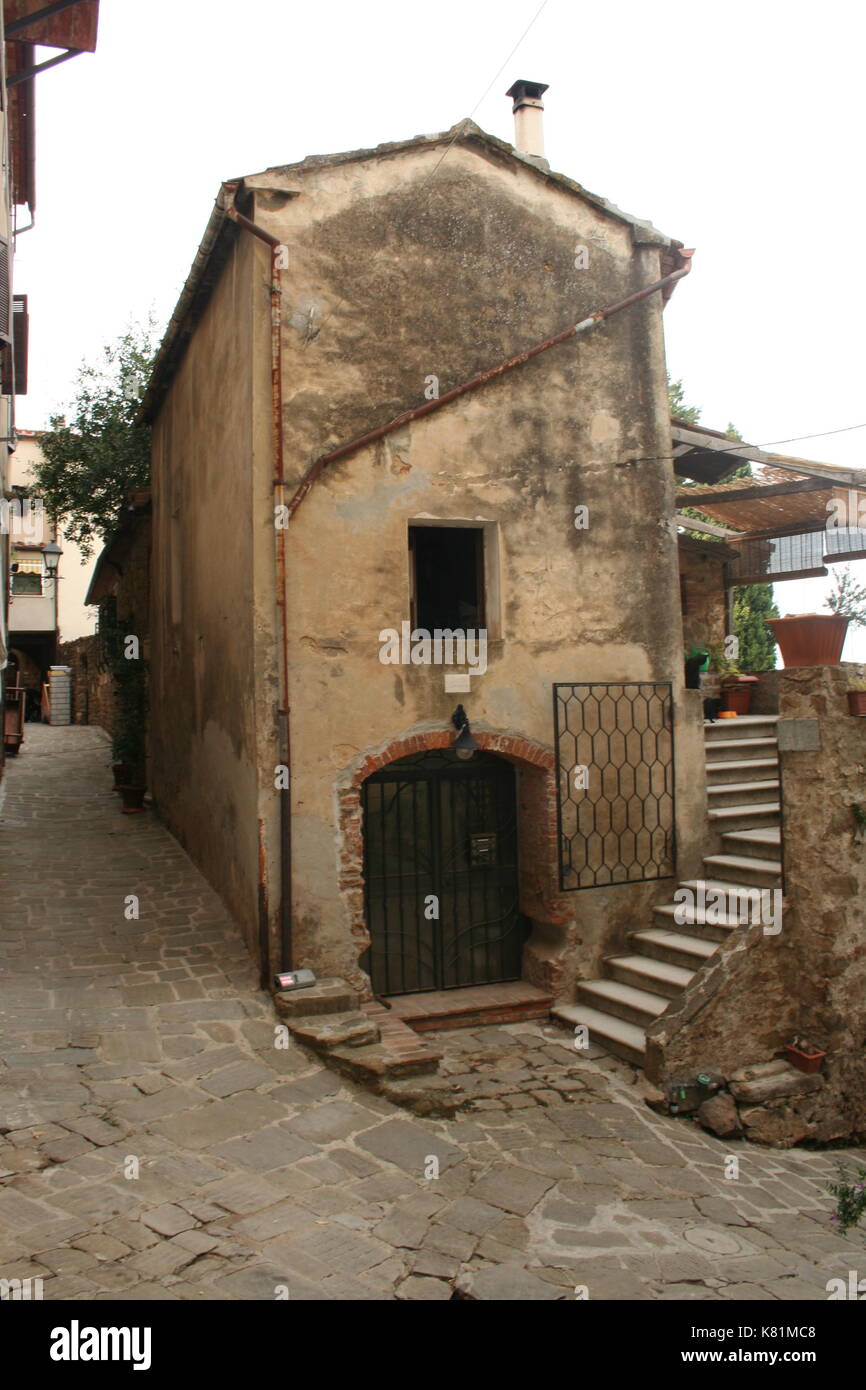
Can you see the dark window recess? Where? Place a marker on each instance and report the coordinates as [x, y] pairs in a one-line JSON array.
[[25, 581], [684, 594], [448, 574]]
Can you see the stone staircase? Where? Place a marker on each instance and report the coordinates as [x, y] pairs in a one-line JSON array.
[[744, 813], [369, 1043]]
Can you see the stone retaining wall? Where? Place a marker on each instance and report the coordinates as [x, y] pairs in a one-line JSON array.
[[809, 981], [92, 690]]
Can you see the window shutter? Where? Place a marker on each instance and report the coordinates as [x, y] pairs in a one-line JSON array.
[[17, 354], [5, 292]]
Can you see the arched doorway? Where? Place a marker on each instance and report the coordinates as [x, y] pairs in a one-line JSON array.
[[441, 873]]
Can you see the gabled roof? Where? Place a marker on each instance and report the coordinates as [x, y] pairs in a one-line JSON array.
[[113, 555], [221, 231], [466, 132]]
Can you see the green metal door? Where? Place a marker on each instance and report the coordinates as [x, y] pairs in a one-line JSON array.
[[440, 872]]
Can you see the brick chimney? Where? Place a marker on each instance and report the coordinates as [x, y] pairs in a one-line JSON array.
[[528, 120]]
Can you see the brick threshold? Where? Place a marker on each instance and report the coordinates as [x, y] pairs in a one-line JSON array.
[[399, 1041], [475, 1006]]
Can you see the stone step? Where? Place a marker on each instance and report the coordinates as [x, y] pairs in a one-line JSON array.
[[471, 1007], [723, 749], [754, 842], [431, 1096], [745, 869], [736, 769], [775, 1080], [744, 726], [622, 1039], [735, 899], [636, 1006], [691, 921], [646, 973], [760, 814], [674, 947], [758, 792], [327, 1031], [326, 996], [374, 1063]]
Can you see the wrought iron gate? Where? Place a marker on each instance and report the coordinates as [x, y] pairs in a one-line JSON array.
[[615, 771], [440, 872]]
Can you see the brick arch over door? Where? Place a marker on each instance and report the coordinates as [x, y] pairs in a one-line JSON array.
[[539, 900]]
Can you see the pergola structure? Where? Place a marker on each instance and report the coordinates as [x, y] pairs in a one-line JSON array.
[[789, 523]]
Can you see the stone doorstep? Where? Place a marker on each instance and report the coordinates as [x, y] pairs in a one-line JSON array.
[[369, 1043], [473, 1007], [376, 1062], [328, 996], [327, 1031]]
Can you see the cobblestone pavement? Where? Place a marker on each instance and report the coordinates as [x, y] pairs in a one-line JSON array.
[[259, 1171]]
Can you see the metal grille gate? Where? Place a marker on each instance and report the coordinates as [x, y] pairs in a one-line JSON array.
[[615, 782], [440, 835]]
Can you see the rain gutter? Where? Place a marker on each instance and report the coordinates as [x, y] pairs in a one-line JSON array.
[[283, 721]]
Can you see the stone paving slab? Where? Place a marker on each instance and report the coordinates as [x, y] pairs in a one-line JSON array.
[[155, 1144]]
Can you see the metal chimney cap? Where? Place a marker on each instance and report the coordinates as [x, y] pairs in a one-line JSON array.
[[523, 90]]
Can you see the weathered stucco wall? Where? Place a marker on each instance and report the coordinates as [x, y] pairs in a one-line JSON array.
[[810, 980], [702, 577], [212, 533], [395, 275]]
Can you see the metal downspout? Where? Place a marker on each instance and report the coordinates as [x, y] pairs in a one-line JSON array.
[[283, 721], [585, 325]]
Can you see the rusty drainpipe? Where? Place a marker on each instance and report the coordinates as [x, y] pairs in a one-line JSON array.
[[584, 326], [283, 722]]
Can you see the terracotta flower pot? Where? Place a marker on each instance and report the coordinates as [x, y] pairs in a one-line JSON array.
[[737, 693], [133, 799], [810, 639], [808, 1062], [857, 702]]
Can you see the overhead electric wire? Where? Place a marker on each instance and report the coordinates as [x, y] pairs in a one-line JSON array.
[[458, 130]]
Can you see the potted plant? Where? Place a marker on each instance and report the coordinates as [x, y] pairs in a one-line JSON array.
[[130, 740], [857, 697], [121, 770], [850, 1194], [737, 688], [817, 639], [804, 1055]]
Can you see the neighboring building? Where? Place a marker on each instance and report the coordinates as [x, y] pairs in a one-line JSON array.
[[70, 26], [46, 599], [119, 594]]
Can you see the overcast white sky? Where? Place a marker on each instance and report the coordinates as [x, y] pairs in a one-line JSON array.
[[735, 127]]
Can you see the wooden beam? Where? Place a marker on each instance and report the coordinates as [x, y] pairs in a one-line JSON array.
[[712, 442], [690, 523], [750, 494], [741, 580], [800, 528]]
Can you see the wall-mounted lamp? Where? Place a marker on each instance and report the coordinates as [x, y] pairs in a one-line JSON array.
[[51, 554], [464, 744]]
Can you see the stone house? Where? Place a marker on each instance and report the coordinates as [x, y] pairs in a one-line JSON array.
[[119, 594], [417, 697], [46, 607]]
